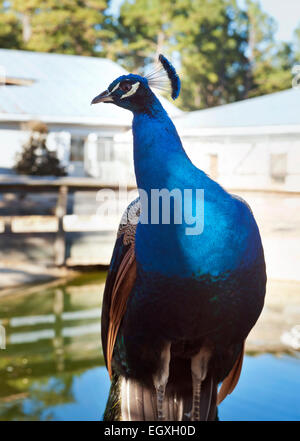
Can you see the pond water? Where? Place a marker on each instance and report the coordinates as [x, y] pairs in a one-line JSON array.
[[52, 367]]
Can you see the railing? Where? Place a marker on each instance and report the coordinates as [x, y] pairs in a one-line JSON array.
[[60, 223]]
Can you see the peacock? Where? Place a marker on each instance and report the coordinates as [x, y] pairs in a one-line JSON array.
[[186, 284]]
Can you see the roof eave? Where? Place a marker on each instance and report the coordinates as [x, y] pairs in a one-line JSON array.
[[247, 130], [86, 121]]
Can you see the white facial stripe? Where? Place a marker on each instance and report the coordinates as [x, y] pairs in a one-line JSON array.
[[132, 90], [115, 88]]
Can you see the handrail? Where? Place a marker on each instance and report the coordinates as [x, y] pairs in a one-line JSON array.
[[63, 186]]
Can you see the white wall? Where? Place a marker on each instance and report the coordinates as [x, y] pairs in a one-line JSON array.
[[244, 162], [116, 166], [11, 142]]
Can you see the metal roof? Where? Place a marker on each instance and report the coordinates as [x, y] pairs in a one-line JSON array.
[[62, 88], [276, 109]]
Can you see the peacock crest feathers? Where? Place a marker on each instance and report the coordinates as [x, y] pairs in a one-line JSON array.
[[164, 77]]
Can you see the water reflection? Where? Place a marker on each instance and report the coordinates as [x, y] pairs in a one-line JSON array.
[[52, 347], [53, 369]]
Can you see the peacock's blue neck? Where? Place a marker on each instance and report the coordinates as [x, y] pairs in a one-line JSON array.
[[161, 163], [159, 158]]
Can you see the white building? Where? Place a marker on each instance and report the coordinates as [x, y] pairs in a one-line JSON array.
[[57, 90], [252, 144], [248, 145]]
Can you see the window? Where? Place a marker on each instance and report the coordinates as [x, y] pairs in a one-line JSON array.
[[278, 165], [105, 151], [77, 149]]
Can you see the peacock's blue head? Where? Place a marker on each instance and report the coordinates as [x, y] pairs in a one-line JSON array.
[[133, 92]]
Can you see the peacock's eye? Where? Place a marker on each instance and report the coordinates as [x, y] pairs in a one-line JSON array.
[[125, 86]]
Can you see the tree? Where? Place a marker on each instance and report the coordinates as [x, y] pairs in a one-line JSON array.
[[67, 26], [271, 61], [142, 31], [35, 158], [225, 53], [10, 28], [297, 44], [196, 29], [212, 40]]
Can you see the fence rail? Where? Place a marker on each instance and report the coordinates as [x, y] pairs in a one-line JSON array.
[[60, 223]]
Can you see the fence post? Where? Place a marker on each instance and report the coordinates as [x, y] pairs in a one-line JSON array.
[[2, 337], [7, 225], [60, 242]]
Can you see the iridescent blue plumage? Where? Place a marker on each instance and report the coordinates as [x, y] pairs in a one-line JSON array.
[[172, 74], [191, 299]]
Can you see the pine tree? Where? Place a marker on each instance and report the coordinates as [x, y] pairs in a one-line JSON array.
[[212, 44], [36, 159], [207, 35], [142, 31], [224, 52], [65, 26], [10, 28], [271, 61]]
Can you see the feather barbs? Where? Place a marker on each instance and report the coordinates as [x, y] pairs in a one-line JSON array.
[[164, 77], [123, 285]]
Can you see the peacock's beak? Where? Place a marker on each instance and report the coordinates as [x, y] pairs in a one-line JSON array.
[[104, 97]]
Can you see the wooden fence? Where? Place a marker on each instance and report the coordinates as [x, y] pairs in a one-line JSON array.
[[60, 223]]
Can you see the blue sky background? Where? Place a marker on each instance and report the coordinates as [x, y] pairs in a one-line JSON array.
[[285, 12]]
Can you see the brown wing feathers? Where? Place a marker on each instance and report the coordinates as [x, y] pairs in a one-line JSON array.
[[123, 285], [124, 280], [232, 378]]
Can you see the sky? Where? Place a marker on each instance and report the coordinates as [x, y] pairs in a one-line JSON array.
[[285, 12], [287, 15]]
